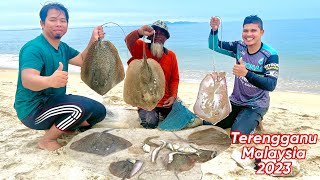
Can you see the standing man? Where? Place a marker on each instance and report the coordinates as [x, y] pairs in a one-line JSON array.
[[256, 73], [158, 34], [41, 102]]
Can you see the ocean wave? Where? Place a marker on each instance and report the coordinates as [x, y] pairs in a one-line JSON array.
[[9, 61]]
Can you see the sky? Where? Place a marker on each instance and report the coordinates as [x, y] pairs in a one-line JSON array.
[[20, 14]]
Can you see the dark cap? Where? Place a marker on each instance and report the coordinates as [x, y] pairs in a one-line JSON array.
[[161, 25]]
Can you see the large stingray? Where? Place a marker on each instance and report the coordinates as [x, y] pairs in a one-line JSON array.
[[213, 102], [144, 85], [102, 68], [100, 143]]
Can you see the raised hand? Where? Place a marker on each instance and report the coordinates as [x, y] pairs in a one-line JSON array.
[[214, 23], [145, 30], [97, 33], [59, 78], [240, 69]]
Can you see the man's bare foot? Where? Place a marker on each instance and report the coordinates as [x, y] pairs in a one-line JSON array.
[[49, 144]]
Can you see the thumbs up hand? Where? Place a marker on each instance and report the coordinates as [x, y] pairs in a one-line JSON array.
[[59, 78], [60, 68], [240, 69]]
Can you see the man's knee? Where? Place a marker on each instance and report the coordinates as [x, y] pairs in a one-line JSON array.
[[98, 114], [148, 125], [149, 119], [100, 111], [103, 112], [244, 128]]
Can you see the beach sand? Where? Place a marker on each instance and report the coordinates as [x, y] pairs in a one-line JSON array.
[[290, 112]]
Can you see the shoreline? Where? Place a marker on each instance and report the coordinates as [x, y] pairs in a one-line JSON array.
[[280, 89], [73, 73], [299, 102]]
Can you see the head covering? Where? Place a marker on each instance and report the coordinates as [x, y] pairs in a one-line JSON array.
[[161, 25]]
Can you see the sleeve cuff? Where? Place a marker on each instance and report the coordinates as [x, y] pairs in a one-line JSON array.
[[249, 75], [213, 32], [140, 36]]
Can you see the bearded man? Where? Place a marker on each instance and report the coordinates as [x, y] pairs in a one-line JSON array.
[[157, 33]]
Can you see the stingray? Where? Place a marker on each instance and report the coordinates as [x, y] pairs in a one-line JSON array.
[[125, 169], [210, 136], [100, 143], [144, 84], [102, 68], [181, 162], [213, 102], [120, 168]]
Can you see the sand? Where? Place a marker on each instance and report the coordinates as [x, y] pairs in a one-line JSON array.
[[289, 112]]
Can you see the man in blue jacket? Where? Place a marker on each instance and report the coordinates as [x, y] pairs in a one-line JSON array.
[[256, 73]]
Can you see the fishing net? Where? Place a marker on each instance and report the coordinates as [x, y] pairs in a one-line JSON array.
[[179, 118]]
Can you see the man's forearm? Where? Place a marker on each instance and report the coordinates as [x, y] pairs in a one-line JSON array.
[[132, 38], [266, 83], [79, 59], [35, 82]]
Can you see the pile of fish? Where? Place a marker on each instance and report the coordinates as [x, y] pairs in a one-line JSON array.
[[179, 158]]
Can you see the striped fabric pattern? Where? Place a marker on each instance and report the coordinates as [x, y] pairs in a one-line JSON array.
[[75, 114]]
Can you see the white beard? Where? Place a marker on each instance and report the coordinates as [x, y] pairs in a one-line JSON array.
[[157, 50]]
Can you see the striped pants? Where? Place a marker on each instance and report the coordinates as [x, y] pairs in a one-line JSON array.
[[66, 112]]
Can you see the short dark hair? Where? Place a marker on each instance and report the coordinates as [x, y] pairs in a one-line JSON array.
[[253, 19], [44, 10]]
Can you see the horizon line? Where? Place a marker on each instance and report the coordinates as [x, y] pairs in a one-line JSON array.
[[169, 22]]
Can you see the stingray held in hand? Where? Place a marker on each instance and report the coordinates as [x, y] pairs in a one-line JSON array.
[[213, 102], [102, 68], [144, 85]]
